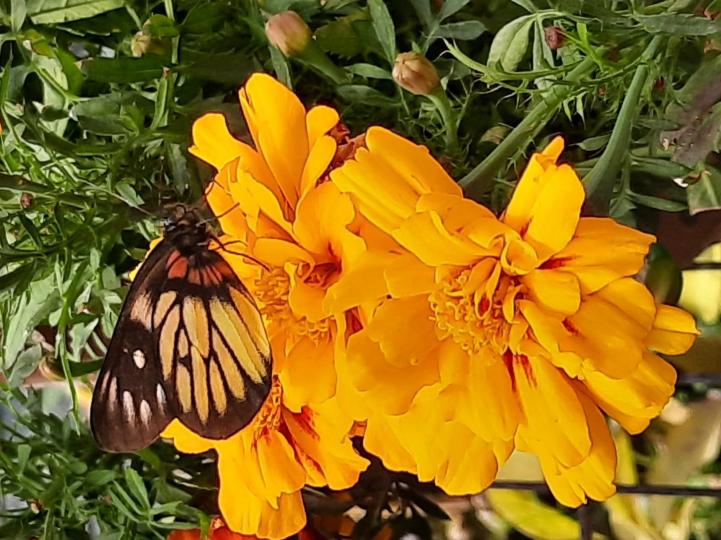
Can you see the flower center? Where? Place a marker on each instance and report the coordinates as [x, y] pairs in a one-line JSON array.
[[475, 307], [271, 291]]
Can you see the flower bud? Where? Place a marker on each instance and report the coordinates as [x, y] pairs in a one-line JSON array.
[[288, 31], [415, 73]]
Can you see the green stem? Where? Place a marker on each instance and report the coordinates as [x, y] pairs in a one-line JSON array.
[[601, 178], [477, 182], [448, 115]]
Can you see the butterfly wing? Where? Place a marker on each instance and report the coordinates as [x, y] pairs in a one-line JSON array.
[[189, 344]]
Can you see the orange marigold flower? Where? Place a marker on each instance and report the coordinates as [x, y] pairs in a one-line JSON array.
[[276, 207], [495, 334]]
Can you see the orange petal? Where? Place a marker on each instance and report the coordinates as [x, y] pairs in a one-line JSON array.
[[674, 330], [593, 477], [319, 158], [308, 375], [213, 143], [276, 117], [319, 121], [554, 415], [602, 251], [554, 290], [636, 399]]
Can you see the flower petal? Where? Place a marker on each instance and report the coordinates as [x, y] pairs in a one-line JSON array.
[[674, 330], [309, 374], [602, 251], [276, 116], [554, 290], [213, 143]]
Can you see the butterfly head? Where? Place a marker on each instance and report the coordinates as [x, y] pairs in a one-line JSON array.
[[185, 229]]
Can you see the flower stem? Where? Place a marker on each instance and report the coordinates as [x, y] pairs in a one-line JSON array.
[[477, 182], [601, 178], [448, 115]]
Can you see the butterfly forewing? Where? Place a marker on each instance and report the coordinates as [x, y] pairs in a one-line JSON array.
[[189, 344]]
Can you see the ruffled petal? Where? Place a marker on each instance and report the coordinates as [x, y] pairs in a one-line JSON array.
[[213, 143]]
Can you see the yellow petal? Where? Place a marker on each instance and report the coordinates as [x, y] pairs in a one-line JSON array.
[[554, 290], [387, 178], [213, 143], [276, 116], [531, 184], [405, 330], [370, 372], [554, 415], [593, 477], [277, 252], [319, 159], [554, 216], [308, 375], [185, 440], [231, 217], [426, 237], [674, 330], [319, 121], [324, 448], [602, 251], [253, 197], [633, 401]]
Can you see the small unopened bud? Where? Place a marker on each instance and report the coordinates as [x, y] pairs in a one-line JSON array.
[[555, 38], [415, 73], [288, 31]]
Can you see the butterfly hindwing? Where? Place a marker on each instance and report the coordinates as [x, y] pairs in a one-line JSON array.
[[130, 406], [189, 344]]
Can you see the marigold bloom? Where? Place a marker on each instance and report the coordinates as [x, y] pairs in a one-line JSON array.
[[502, 333], [275, 207]]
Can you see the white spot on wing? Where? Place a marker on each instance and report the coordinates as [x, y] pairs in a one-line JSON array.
[[145, 412], [160, 396], [139, 358], [112, 393], [129, 406]]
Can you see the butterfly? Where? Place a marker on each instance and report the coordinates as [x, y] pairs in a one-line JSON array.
[[189, 344]]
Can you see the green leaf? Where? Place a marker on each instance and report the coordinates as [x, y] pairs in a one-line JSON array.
[[451, 7], [18, 12], [137, 487], [60, 11], [384, 28], [528, 514], [460, 30], [423, 10], [369, 71], [359, 93], [679, 24], [705, 193], [25, 364], [100, 477], [123, 70], [658, 203], [105, 115], [510, 44]]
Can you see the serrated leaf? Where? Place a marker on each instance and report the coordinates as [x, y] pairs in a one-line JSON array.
[[511, 43], [60, 11], [384, 28], [460, 30], [679, 24], [339, 37]]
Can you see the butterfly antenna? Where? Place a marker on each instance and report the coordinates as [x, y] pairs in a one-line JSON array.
[[223, 247]]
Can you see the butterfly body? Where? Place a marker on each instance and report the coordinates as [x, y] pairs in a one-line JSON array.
[[189, 344]]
